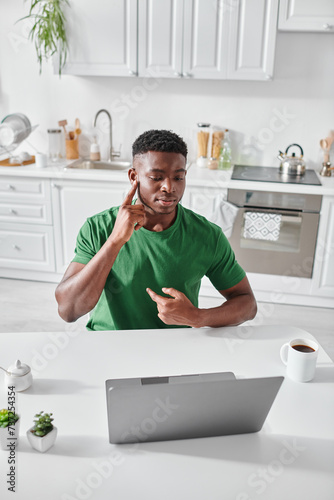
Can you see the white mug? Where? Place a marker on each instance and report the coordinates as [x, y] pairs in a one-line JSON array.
[[300, 358], [41, 160]]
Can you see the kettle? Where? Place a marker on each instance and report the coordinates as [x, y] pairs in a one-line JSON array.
[[292, 165], [18, 375]]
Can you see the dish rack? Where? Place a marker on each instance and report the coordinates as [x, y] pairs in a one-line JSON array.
[[14, 129]]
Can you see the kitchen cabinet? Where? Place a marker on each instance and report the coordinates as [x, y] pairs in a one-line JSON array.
[[160, 38], [102, 38], [26, 233], [201, 200], [306, 15], [74, 201], [26, 246], [212, 40], [173, 38], [323, 272], [182, 38], [252, 39]]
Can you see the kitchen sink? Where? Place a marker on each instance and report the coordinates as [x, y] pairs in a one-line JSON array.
[[100, 165]]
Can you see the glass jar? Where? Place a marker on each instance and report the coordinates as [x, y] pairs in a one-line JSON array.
[[55, 144], [203, 138]]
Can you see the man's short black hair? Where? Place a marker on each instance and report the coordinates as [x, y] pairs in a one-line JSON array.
[[163, 141]]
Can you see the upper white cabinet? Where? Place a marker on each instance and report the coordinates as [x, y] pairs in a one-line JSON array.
[[212, 39], [102, 38], [160, 36], [204, 39], [182, 38], [252, 39], [306, 15]]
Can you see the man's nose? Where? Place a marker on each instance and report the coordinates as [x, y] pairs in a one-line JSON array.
[[168, 185]]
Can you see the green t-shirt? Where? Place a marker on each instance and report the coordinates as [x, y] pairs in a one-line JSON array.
[[177, 257]]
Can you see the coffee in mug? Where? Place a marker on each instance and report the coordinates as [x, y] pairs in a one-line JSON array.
[[300, 358], [303, 348]]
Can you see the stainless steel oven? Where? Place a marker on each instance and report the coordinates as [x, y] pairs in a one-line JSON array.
[[275, 233]]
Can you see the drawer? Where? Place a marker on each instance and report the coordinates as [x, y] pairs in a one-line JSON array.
[[24, 189], [37, 213], [27, 246]]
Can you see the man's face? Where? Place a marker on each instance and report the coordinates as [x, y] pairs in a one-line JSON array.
[[161, 180]]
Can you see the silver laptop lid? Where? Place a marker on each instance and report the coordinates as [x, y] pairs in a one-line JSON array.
[[187, 406]]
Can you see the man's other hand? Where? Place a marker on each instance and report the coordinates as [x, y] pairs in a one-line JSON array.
[[177, 310]]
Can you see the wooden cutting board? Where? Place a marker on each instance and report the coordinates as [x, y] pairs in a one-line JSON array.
[[5, 163]]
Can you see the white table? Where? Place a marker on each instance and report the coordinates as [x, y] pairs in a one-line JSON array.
[[291, 457]]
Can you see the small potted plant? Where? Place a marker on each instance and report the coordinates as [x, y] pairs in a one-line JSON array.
[[43, 434], [9, 428]]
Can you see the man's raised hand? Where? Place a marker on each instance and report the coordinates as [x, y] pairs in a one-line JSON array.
[[129, 218]]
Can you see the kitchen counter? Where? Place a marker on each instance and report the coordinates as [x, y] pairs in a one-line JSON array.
[[293, 452], [42, 210], [200, 177]]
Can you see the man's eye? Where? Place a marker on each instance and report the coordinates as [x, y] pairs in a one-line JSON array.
[[179, 178], [156, 178]]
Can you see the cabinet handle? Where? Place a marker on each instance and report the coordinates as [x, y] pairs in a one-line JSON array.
[[268, 77], [11, 187], [327, 26], [132, 73], [16, 247], [176, 73], [12, 211], [54, 185], [187, 75]]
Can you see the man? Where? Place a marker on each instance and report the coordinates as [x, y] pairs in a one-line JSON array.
[[140, 265]]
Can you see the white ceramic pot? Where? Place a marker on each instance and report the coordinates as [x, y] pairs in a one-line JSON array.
[[18, 375], [5, 443], [44, 443]]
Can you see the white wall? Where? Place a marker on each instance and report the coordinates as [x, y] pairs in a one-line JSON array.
[[303, 89]]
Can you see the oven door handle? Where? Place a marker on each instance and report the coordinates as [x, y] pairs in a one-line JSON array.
[[290, 213]]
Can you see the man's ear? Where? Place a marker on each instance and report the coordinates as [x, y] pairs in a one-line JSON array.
[[132, 173]]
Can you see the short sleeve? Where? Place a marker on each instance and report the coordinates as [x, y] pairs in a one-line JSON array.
[[84, 250], [224, 271]]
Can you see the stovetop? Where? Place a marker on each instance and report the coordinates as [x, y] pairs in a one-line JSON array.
[[272, 174]]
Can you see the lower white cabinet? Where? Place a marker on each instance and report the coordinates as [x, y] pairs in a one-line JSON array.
[[323, 273], [26, 232], [73, 202], [26, 246], [201, 200]]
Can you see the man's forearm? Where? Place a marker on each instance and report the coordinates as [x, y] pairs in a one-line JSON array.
[[233, 312], [78, 294]]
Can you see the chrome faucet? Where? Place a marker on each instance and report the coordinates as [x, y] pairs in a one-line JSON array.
[[112, 154]]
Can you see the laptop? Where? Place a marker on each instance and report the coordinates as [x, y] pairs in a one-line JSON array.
[[187, 406]]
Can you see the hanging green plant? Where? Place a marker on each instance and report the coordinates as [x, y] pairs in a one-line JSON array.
[[48, 32]]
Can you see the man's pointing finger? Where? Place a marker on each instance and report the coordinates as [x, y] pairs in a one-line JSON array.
[[154, 296], [131, 193]]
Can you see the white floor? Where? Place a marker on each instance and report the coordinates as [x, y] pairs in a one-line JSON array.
[[28, 306]]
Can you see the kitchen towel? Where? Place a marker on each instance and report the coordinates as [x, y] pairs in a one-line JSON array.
[[223, 214], [262, 226]]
